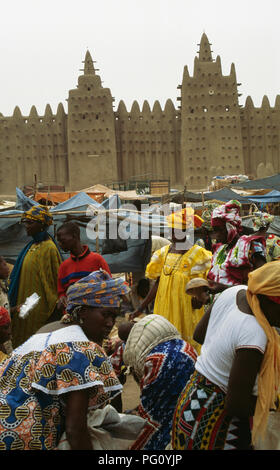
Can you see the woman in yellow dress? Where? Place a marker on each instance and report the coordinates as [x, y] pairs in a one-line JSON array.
[[35, 270], [172, 267]]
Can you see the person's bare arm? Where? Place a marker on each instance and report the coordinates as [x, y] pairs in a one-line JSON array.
[[76, 420], [201, 327], [239, 399], [150, 297]]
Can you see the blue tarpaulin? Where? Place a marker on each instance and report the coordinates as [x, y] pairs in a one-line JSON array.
[[82, 209], [272, 196]]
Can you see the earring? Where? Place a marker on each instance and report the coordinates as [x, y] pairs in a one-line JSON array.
[[81, 321]]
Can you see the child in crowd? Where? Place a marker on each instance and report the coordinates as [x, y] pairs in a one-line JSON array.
[[200, 290]]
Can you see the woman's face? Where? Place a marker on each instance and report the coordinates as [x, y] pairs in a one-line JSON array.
[[4, 269], [97, 322], [32, 227], [220, 234]]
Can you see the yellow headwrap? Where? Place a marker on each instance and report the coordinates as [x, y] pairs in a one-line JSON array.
[[186, 218], [39, 214], [265, 281]]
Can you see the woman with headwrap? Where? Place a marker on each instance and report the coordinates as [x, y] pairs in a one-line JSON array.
[[51, 381], [226, 403], [204, 232], [161, 363], [172, 267], [234, 254], [261, 222], [35, 270]]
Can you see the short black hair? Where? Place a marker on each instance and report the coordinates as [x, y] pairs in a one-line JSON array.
[[70, 227]]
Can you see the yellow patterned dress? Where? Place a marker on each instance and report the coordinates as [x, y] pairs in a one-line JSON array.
[[38, 274], [174, 271]]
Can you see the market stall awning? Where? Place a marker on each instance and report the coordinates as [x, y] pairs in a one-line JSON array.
[[272, 196], [271, 182]]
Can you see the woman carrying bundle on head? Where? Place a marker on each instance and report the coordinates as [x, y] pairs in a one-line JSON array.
[[161, 362], [172, 267], [234, 255], [262, 221]]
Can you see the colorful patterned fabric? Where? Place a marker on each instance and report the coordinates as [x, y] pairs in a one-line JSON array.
[[207, 216], [262, 219], [272, 248], [96, 290], [231, 266], [35, 378], [186, 218], [117, 359], [174, 271], [201, 423], [39, 214], [229, 214], [168, 367]]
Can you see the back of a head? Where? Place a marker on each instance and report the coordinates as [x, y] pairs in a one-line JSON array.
[[71, 228], [124, 330]]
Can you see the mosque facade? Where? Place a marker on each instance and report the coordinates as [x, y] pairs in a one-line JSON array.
[[207, 133]]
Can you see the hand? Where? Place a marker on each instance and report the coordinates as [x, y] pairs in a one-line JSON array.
[[15, 309]]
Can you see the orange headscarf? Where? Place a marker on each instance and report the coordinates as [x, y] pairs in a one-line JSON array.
[[265, 281], [186, 218]]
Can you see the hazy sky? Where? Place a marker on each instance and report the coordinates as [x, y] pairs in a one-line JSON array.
[[140, 47]]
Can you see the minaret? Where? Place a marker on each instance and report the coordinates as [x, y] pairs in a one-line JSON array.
[[92, 151], [88, 65], [205, 53], [211, 140]]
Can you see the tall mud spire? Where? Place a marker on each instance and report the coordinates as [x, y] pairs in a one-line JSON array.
[[205, 53], [88, 65]]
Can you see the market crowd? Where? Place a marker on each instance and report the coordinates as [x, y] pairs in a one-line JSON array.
[[201, 340]]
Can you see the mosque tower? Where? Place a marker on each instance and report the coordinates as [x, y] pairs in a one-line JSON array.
[[211, 142], [91, 131]]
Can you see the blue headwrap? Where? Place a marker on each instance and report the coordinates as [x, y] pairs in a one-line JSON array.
[[98, 289]]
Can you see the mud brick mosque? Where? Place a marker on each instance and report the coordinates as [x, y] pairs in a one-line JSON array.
[[206, 133]]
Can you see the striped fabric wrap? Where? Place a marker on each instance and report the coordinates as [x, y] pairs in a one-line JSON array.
[[142, 340]]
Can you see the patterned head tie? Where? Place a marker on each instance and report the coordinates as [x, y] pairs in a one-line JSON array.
[[207, 215], [184, 219], [4, 316], [38, 214], [262, 219], [229, 215], [97, 289]]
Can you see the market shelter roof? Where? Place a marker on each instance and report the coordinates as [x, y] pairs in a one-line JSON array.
[[107, 192], [272, 196], [271, 182], [224, 195]]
